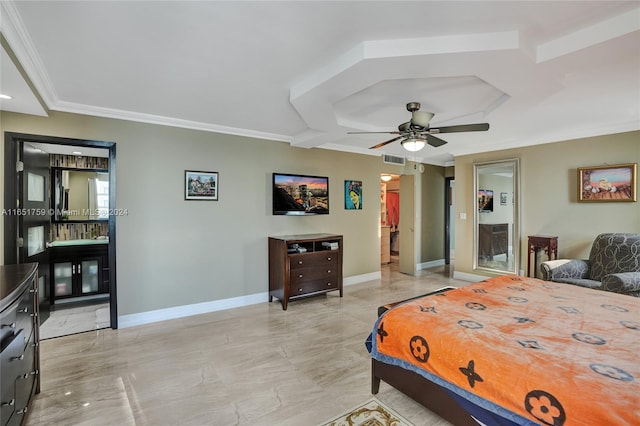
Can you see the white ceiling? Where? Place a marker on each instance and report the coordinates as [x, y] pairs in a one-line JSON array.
[[308, 72]]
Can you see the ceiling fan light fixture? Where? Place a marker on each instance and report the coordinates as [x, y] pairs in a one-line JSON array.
[[414, 144], [421, 118]]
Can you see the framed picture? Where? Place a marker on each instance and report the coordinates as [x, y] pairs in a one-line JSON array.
[[607, 183], [485, 200], [503, 198], [200, 185], [353, 194]]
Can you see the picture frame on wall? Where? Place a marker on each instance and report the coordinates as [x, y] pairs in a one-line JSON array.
[[199, 185], [353, 194], [610, 183], [503, 198], [485, 200]]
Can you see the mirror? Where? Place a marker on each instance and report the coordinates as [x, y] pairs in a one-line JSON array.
[[496, 219], [79, 194]]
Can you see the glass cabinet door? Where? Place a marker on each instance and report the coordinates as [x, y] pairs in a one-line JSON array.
[[63, 278], [89, 273]]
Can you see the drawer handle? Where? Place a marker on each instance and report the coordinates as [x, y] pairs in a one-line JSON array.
[[23, 411], [12, 325], [328, 284], [328, 271], [8, 404], [328, 258], [299, 262], [299, 275], [17, 358], [23, 310], [300, 290], [33, 314]]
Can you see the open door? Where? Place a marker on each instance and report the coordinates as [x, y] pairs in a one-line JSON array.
[[407, 262], [33, 216]]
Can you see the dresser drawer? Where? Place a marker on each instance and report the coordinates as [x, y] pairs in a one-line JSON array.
[[299, 261], [11, 366], [26, 378], [331, 283], [26, 315], [313, 273]]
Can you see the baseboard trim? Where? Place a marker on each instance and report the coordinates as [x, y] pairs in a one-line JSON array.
[[430, 264], [175, 312], [357, 279], [473, 278]]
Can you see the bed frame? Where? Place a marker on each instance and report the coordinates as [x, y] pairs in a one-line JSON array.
[[423, 391]]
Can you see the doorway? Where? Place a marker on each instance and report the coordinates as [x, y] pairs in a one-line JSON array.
[[449, 220], [79, 293], [389, 218]]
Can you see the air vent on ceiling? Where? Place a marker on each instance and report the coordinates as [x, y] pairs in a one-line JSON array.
[[391, 159]]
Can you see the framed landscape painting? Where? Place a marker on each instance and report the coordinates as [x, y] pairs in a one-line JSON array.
[[200, 185], [607, 183]]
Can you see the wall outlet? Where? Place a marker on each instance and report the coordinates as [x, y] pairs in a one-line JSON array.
[[463, 216]]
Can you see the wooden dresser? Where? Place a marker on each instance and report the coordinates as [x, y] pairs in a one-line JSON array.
[[19, 341], [304, 265], [493, 238]]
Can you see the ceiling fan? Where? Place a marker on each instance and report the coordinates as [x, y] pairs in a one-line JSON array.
[[416, 133]]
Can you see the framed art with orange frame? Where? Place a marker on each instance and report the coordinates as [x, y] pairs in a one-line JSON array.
[[608, 183]]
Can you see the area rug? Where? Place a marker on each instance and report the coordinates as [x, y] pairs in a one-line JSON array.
[[370, 413]]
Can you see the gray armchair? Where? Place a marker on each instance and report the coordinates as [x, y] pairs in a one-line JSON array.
[[613, 265]]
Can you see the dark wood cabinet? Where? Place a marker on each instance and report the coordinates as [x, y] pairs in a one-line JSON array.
[[493, 238], [19, 341], [304, 265], [79, 270]]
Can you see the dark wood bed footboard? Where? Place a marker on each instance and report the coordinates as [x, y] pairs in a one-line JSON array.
[[423, 391]]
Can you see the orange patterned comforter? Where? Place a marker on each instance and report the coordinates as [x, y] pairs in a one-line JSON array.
[[541, 352]]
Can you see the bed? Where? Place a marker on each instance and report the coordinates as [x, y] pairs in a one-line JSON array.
[[514, 350]]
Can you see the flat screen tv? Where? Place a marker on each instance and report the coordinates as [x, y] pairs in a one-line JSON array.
[[485, 200], [300, 195]]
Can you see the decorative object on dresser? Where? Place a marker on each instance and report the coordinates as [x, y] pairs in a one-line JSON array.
[[19, 341], [304, 265]]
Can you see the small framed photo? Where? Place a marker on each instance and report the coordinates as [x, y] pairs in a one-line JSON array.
[[353, 194], [503, 198], [607, 183], [200, 185]]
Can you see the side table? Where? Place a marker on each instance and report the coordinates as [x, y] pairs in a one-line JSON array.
[[537, 242]]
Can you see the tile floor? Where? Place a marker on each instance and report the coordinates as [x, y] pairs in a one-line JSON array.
[[71, 319], [255, 365]]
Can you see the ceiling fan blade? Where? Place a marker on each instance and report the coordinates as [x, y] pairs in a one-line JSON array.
[[433, 141], [381, 144], [480, 127], [393, 132]]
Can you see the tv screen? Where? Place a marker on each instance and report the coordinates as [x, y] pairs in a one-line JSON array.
[[485, 200], [295, 194]]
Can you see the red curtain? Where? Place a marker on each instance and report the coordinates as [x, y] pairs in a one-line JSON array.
[[393, 208]]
